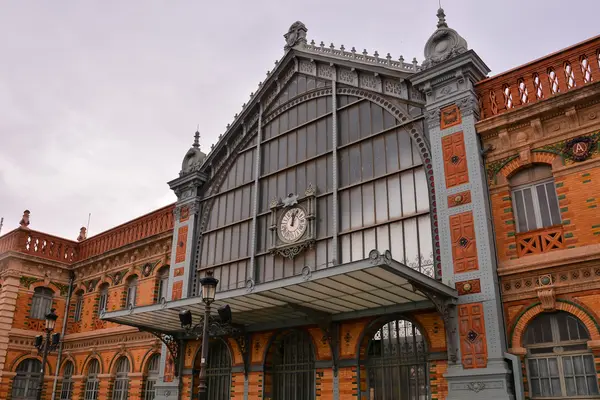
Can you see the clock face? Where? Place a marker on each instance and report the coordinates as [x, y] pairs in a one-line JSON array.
[[292, 225]]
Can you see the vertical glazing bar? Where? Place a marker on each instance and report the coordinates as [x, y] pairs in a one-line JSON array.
[[334, 139], [253, 274]]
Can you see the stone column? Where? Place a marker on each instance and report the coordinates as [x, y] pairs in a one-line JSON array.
[[468, 259]]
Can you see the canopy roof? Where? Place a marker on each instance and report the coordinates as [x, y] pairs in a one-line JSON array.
[[373, 286]]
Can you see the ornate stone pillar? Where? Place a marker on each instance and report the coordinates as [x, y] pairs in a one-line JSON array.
[[468, 259]]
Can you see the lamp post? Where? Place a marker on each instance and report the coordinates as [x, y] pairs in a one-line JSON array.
[[45, 346], [209, 288]]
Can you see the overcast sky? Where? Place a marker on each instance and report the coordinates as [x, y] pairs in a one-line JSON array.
[[99, 100]]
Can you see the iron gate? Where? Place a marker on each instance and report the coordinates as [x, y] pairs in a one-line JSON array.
[[397, 363], [292, 367], [218, 371]]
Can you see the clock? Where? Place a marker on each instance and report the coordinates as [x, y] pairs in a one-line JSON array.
[[292, 225]]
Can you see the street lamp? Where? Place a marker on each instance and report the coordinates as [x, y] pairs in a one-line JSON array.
[[45, 346], [209, 288]]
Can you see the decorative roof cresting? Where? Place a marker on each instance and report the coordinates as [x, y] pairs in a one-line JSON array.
[[193, 158], [445, 43], [295, 35]]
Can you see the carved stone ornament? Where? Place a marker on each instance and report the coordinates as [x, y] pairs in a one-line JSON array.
[[476, 386], [468, 106], [24, 223], [433, 117], [82, 234], [547, 299], [580, 148], [296, 34], [445, 43]]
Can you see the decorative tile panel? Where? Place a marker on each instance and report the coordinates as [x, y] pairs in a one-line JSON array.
[[185, 214], [177, 290], [182, 233], [459, 199], [455, 160], [471, 286], [178, 271], [450, 116], [473, 345], [464, 246]]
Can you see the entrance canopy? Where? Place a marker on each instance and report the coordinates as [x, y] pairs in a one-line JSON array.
[[373, 286]]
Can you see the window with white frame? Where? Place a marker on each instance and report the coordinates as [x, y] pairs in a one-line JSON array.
[[163, 284], [535, 203], [103, 300], [92, 382], [152, 377], [66, 391], [559, 363], [121, 387], [41, 302], [132, 284], [78, 307]]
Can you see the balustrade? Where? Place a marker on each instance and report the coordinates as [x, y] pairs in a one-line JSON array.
[[540, 241], [542, 79]]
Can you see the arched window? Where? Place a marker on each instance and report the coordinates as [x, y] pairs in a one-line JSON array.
[[78, 306], [559, 363], [152, 377], [92, 382], [535, 203], [291, 365], [26, 381], [121, 387], [132, 284], [66, 391], [218, 372], [41, 302], [397, 363], [103, 300], [163, 284]]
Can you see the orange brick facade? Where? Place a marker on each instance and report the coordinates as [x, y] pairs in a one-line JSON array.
[[555, 268]]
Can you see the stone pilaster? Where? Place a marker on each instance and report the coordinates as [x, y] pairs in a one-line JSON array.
[[8, 303], [468, 257]]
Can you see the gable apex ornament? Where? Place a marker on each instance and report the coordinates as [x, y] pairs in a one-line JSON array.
[[445, 43], [295, 35]]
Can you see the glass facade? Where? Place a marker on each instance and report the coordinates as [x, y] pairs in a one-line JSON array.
[[382, 199]]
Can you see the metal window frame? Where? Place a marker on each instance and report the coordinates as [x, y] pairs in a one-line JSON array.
[[400, 361], [78, 308]]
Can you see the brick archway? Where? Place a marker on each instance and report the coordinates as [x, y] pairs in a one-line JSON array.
[[538, 157], [528, 315]]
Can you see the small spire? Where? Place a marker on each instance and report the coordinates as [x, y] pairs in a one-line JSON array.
[[441, 18], [197, 138]]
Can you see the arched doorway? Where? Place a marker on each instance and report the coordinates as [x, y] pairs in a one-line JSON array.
[[559, 363], [291, 367], [26, 382], [396, 363], [218, 372]]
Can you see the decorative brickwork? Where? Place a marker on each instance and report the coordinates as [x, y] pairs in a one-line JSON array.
[[464, 248], [473, 344], [455, 159]]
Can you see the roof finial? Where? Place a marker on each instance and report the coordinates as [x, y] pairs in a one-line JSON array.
[[197, 138], [441, 17]]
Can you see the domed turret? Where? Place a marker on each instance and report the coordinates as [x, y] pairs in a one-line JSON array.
[[194, 157], [445, 43]]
